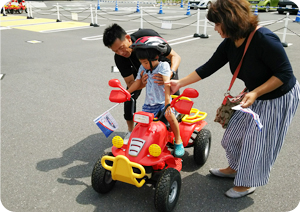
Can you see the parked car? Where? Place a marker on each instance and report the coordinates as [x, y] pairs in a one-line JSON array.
[[287, 6], [264, 5], [201, 4]]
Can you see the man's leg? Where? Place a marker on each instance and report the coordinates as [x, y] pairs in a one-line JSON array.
[[128, 114], [130, 125]]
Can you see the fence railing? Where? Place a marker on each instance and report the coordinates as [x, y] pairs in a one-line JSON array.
[[143, 15]]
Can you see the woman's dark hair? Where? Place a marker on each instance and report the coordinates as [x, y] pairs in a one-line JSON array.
[[150, 54], [111, 33], [235, 16]]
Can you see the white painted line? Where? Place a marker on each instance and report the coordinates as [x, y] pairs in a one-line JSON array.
[[99, 37], [1, 76], [3, 28], [173, 44], [96, 37], [64, 29], [21, 25], [285, 33], [11, 20], [34, 41], [263, 23], [180, 38]]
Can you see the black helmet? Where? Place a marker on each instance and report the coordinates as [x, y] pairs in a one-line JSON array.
[[151, 42]]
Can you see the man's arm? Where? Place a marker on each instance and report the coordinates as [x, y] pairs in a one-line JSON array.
[[135, 86], [130, 80], [175, 60]]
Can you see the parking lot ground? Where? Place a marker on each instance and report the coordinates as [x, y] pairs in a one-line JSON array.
[[52, 90]]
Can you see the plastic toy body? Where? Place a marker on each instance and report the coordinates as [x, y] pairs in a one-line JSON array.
[[15, 7], [147, 158]]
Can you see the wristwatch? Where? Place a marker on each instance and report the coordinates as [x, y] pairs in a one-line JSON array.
[[174, 74]]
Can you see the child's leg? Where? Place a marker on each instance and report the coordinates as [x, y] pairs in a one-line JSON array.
[[174, 126], [179, 149]]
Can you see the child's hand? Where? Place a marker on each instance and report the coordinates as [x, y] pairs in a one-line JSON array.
[[168, 111], [144, 78]]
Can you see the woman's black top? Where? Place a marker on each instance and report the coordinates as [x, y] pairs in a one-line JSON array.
[[265, 57]]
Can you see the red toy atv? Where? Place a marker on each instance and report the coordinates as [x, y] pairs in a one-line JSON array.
[[147, 157], [15, 7]]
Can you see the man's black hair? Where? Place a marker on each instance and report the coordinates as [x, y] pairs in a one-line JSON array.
[[111, 33]]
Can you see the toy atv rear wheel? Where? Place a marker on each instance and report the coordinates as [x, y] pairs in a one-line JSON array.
[[102, 181], [202, 146], [167, 190]]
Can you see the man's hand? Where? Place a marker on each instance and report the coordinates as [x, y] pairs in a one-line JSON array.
[[158, 79]]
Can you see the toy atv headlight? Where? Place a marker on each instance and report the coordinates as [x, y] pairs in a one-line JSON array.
[[154, 150], [143, 117], [117, 141]]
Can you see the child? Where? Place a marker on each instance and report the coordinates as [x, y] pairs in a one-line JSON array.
[[147, 50]]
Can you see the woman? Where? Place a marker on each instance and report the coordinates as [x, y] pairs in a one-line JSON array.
[[273, 94]]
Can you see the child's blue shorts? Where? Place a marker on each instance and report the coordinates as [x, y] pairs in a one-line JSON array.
[[155, 109]]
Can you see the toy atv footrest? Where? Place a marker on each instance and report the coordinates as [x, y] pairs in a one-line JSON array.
[[194, 116], [122, 170]]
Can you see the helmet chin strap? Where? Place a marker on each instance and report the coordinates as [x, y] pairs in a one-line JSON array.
[[151, 67], [150, 61]]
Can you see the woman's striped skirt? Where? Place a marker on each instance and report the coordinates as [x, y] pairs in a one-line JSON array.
[[252, 152]]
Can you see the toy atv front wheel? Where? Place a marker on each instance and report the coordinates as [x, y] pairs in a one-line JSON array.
[[202, 146], [102, 181], [167, 190]]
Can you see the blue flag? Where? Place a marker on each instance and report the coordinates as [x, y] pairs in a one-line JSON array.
[[106, 123]]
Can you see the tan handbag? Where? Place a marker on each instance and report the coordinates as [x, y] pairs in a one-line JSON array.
[[224, 112]]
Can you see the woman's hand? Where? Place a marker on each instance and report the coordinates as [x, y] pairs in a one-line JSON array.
[[249, 99], [174, 85], [272, 84]]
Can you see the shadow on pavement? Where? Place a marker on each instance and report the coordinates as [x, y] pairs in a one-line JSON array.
[[198, 192]]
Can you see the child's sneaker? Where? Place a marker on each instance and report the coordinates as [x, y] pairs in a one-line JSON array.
[[179, 150], [126, 137]]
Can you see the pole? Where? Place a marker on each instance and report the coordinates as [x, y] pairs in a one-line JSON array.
[[198, 18], [4, 12], [28, 8], [92, 18], [57, 9], [204, 35], [141, 18], [31, 11], [113, 107], [284, 44], [96, 18]]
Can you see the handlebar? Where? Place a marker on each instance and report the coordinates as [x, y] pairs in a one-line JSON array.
[[181, 103]]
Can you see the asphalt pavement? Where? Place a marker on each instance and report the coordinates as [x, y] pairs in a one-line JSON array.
[[56, 84]]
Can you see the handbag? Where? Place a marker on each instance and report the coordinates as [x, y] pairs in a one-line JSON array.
[[224, 112]]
